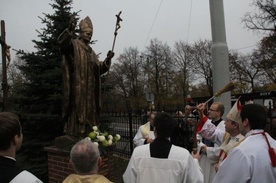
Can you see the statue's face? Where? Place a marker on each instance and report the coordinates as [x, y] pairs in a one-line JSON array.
[[86, 35]]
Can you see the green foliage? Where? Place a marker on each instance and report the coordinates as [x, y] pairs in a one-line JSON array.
[[37, 100]]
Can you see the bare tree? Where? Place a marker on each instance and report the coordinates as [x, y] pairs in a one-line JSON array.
[[245, 69], [159, 67], [120, 90], [266, 54], [263, 19], [183, 67], [128, 78], [201, 56]]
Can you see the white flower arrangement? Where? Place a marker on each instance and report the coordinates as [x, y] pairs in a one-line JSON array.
[[103, 138]]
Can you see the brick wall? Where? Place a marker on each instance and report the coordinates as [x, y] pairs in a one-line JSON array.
[[58, 164]]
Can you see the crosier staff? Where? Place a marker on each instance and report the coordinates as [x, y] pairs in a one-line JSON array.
[[117, 27]]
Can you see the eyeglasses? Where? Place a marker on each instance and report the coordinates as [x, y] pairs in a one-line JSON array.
[[213, 110]]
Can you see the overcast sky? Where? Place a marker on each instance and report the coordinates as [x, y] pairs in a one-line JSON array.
[[143, 20]]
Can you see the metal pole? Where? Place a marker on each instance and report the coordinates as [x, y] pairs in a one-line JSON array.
[[220, 57], [4, 74]]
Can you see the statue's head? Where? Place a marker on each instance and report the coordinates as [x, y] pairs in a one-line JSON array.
[[86, 29]]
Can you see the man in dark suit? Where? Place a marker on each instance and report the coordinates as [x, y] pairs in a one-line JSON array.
[[11, 138]]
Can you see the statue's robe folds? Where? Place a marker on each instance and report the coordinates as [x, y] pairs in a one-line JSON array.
[[81, 72]]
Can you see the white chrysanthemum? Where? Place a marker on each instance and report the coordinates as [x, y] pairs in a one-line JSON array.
[[87, 138], [118, 136], [110, 137], [109, 142], [96, 143], [101, 138], [95, 128], [97, 133]]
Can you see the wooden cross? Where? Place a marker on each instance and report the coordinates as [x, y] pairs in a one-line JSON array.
[[5, 54]]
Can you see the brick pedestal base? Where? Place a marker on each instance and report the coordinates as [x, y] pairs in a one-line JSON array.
[[58, 164]]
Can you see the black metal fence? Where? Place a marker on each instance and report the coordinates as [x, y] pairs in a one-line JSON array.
[[127, 125]]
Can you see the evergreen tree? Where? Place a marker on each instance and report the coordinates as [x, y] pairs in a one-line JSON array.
[[38, 99]]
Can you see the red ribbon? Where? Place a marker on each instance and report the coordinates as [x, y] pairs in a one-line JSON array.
[[271, 151]]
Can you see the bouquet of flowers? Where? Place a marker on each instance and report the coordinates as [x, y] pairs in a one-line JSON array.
[[102, 138]]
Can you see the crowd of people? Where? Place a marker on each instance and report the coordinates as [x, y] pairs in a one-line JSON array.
[[235, 150]]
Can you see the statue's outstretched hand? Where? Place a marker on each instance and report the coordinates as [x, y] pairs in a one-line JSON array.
[[110, 54], [73, 23]]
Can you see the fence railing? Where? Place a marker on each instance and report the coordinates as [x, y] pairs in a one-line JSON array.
[[127, 125]]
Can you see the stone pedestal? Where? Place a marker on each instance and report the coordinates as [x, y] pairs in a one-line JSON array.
[[58, 161]]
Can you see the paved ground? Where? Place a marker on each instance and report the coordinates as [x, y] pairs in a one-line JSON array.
[[120, 167]]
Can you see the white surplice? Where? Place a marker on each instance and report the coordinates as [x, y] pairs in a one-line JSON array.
[[207, 161], [179, 167], [248, 162], [25, 177]]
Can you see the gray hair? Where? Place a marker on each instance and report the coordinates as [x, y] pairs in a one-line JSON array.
[[84, 156]]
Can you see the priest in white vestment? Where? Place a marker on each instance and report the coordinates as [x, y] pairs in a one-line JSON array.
[[145, 133], [254, 160], [226, 139], [160, 161]]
